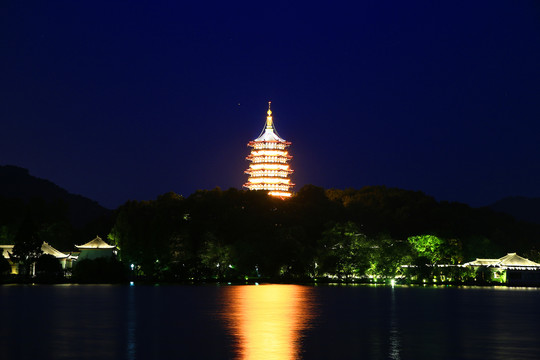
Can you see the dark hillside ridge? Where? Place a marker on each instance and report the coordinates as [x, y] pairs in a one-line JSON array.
[[17, 183], [520, 207], [402, 213]]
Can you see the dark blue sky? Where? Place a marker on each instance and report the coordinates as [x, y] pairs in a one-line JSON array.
[[131, 99]]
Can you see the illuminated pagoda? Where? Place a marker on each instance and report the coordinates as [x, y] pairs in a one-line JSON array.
[[269, 169]]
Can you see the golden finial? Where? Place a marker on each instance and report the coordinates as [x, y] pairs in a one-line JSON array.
[[269, 117]]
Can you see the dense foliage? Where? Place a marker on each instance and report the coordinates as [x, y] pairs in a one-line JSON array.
[[235, 234], [48, 269], [317, 233], [101, 270], [47, 221]]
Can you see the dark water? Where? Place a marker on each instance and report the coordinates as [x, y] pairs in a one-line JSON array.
[[268, 322]]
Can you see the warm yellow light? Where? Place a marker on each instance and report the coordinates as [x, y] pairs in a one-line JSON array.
[[269, 167], [264, 186], [267, 159], [268, 145], [267, 320], [268, 180], [260, 174], [280, 193], [270, 187], [269, 153], [267, 172]]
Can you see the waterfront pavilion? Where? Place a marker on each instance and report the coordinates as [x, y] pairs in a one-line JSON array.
[[511, 269]]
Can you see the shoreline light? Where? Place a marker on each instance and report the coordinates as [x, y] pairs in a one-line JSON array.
[[269, 169]]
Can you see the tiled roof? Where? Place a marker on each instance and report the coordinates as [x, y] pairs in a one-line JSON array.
[[96, 243], [509, 260], [6, 250], [48, 249], [512, 259]]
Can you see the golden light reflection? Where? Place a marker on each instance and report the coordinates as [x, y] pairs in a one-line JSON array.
[[267, 321]]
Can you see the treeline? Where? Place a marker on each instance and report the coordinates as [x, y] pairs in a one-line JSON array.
[[235, 234], [28, 223], [49, 221]]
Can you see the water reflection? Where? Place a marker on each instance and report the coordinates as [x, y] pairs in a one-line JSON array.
[[131, 349], [267, 320], [395, 344]]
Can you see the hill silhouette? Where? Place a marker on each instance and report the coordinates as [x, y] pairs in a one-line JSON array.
[[520, 207], [17, 183]]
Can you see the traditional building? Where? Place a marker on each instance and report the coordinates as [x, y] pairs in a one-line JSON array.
[[65, 259], [7, 253], [510, 269], [269, 169], [96, 248]]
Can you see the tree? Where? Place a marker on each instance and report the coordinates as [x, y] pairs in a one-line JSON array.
[[58, 234], [452, 252], [100, 270], [48, 268], [27, 247], [345, 251], [12, 213], [428, 246], [215, 256], [437, 250], [388, 256], [5, 267], [148, 233], [421, 269], [294, 255]]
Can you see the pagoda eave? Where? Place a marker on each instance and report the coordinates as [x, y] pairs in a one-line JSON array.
[[253, 142]]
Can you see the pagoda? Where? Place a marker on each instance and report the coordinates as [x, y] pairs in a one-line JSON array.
[[269, 169]]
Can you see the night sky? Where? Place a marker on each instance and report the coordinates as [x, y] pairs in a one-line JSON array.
[[131, 99]]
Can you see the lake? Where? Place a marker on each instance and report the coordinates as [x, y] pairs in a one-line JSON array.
[[268, 322]]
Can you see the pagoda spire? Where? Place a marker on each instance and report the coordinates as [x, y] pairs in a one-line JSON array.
[[269, 121]]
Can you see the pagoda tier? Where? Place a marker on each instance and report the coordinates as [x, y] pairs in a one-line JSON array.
[[269, 157]]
